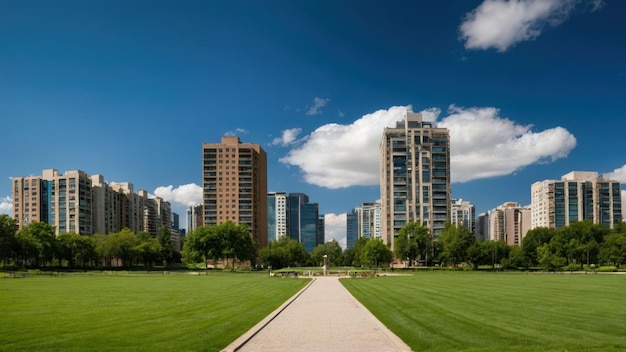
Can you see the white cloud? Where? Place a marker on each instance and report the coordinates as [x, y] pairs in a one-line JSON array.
[[483, 144], [236, 132], [186, 195], [335, 228], [337, 156], [501, 24], [318, 104], [6, 205], [618, 174], [288, 137]]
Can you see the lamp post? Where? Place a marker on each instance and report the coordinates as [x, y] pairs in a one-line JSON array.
[[325, 256]]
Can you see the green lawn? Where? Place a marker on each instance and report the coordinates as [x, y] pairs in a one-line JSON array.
[[445, 311], [177, 312]]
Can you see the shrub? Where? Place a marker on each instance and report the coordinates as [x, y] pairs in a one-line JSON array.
[[607, 269]]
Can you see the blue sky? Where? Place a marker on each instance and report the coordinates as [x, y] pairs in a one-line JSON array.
[[530, 90]]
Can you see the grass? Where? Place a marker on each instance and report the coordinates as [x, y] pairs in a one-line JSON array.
[[135, 312], [461, 311]]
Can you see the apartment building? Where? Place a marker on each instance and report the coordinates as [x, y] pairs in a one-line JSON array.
[[415, 176], [509, 222], [75, 202], [276, 215], [578, 196], [194, 217], [463, 214], [234, 185]]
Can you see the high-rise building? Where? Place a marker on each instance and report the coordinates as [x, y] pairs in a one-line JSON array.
[[175, 221], [194, 217], [321, 229], [364, 221], [578, 196], [464, 214], [415, 176], [79, 203], [276, 215], [294, 216], [482, 227], [302, 219], [234, 185], [352, 228], [509, 222]]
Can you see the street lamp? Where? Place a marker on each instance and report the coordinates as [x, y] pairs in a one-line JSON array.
[[325, 256]]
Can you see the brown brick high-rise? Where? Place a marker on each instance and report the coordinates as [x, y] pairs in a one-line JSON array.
[[234, 185]]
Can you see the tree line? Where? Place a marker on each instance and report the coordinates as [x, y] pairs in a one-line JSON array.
[[36, 246], [572, 247]]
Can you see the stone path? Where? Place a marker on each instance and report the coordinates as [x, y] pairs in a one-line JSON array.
[[322, 317]]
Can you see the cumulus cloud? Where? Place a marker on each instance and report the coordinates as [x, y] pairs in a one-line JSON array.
[[335, 228], [501, 24], [618, 174], [483, 145], [338, 156], [6, 205], [186, 195], [318, 104], [288, 137]]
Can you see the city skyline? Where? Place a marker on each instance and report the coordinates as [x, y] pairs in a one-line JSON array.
[[132, 90]]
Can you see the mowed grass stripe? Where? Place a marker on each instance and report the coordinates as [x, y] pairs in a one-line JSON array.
[[444, 311], [138, 313]]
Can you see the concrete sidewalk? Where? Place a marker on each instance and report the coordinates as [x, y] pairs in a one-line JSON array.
[[322, 317]]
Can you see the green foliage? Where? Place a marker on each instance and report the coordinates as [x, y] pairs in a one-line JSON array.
[[166, 249], [284, 253], [8, 243], [607, 269], [613, 249], [456, 311], [331, 249], [37, 243], [75, 249], [455, 242], [413, 242], [533, 239], [225, 241], [376, 254]]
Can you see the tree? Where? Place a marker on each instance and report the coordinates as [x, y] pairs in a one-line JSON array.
[[613, 249], [534, 239], [103, 247], [166, 249], [8, 243], [202, 244], [413, 242], [376, 253], [331, 249], [124, 245], [37, 242], [479, 253], [549, 259], [235, 242], [284, 252], [147, 248], [456, 241], [75, 249]]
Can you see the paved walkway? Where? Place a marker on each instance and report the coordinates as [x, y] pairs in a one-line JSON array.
[[322, 317]]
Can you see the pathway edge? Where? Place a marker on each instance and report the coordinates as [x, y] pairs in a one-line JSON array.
[[243, 339]]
